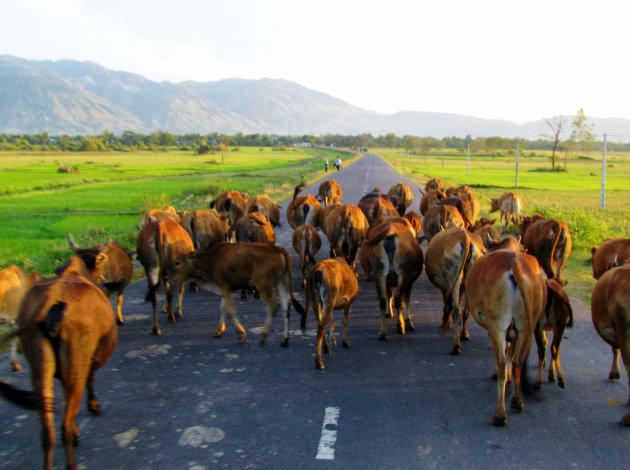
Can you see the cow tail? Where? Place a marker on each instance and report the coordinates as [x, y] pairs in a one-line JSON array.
[[25, 398], [556, 245], [463, 267], [519, 279], [287, 283]]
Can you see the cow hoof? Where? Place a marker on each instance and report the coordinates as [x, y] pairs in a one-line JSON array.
[[94, 408], [284, 343], [120, 322], [319, 365], [346, 344], [499, 420], [456, 350], [409, 324], [614, 376], [465, 337], [517, 404], [156, 331], [626, 420], [537, 385], [242, 338], [382, 337], [561, 383], [400, 330], [16, 368]]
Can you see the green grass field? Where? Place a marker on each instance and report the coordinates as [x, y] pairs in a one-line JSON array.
[[108, 195], [572, 196]]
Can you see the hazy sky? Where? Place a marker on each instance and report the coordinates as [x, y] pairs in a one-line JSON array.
[[503, 59]]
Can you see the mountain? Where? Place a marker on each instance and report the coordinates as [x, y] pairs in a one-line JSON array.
[[71, 97]]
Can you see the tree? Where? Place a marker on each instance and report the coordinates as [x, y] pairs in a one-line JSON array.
[[556, 124]]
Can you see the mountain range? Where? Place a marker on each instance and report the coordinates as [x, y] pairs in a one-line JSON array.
[[71, 97]]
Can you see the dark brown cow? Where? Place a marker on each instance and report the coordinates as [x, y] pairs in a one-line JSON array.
[[68, 330], [110, 267], [345, 228], [506, 294], [434, 183], [302, 209], [14, 284], [254, 227], [159, 243], [306, 243], [391, 256], [439, 218], [401, 196], [206, 227], [375, 205], [331, 285], [448, 258], [262, 203], [610, 309], [549, 241], [510, 206], [230, 266], [330, 192], [609, 254], [430, 199], [232, 202]]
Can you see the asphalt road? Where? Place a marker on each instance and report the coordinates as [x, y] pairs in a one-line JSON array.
[[187, 400]]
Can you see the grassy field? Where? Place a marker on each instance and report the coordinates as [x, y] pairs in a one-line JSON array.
[[107, 196], [572, 196]]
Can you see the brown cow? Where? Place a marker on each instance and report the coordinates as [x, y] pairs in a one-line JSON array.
[[302, 209], [262, 203], [610, 309], [434, 183], [610, 253], [345, 228], [68, 330], [392, 257], [331, 285], [110, 267], [230, 266], [375, 205], [14, 284], [401, 196], [232, 202], [159, 243], [206, 227], [306, 243], [323, 212], [439, 218], [430, 199], [510, 205], [448, 258], [159, 214], [254, 227], [330, 192], [484, 226], [415, 221], [506, 294], [463, 206], [467, 194], [549, 241]]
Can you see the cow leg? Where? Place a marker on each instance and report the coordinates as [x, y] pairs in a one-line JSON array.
[[409, 318], [74, 384], [285, 304], [272, 308], [321, 336], [93, 406], [168, 294], [227, 307], [455, 315], [346, 314], [383, 302], [15, 363], [556, 365], [541, 346], [497, 339], [615, 373], [119, 302], [180, 300]]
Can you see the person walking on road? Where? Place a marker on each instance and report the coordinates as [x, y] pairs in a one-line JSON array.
[[338, 163], [326, 165]]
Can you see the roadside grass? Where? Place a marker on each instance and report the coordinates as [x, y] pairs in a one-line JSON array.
[[95, 204], [572, 196]]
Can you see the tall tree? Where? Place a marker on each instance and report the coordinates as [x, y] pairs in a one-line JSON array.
[[556, 124]]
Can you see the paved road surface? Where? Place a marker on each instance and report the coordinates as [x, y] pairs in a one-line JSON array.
[[186, 400]]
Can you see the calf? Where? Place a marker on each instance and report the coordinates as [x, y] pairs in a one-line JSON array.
[[233, 203], [206, 227], [331, 285], [391, 256], [549, 241], [610, 309], [345, 228], [302, 209], [510, 205], [609, 254], [401, 196], [448, 258], [506, 294], [376, 205], [262, 203], [110, 267], [306, 243], [254, 227], [330, 192], [68, 330], [230, 266], [430, 199], [159, 243], [14, 284]]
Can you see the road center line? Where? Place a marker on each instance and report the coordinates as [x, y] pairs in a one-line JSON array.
[[326, 447]]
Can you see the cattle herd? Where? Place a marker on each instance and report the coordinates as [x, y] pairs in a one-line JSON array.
[[511, 285]]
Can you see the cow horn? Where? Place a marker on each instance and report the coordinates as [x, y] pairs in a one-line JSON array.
[[73, 245]]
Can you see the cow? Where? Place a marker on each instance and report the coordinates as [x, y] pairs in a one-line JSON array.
[[506, 294], [401, 196], [375, 205], [230, 266], [558, 315], [206, 227], [331, 285], [415, 221], [448, 258], [68, 330], [322, 214], [430, 199], [306, 243], [263, 203], [345, 228], [608, 254], [610, 310], [485, 226], [434, 183], [160, 242], [507, 243], [549, 241], [111, 268], [330, 192], [463, 206], [232, 202], [159, 214], [302, 209], [467, 194], [14, 284], [254, 227], [439, 218], [391, 256], [510, 205]]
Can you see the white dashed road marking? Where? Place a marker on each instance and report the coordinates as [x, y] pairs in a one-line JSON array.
[[326, 447]]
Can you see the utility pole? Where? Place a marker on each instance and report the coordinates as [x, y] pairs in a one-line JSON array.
[[468, 162], [602, 204], [516, 178]]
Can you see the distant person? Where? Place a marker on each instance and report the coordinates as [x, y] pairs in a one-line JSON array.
[[326, 165], [338, 163]]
